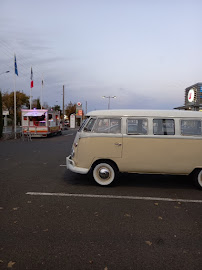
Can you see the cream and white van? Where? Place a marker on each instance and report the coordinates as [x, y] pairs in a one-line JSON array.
[[140, 141]]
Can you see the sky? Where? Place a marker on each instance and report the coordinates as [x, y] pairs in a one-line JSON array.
[[144, 52]]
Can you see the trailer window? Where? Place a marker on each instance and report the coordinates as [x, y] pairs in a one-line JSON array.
[[164, 127], [137, 126], [191, 127]]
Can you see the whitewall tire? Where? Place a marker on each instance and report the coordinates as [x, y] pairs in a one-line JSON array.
[[104, 173]]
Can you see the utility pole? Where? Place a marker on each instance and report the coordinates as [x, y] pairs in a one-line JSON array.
[[63, 106], [86, 107]]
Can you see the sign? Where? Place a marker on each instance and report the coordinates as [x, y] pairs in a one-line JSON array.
[[72, 121], [191, 94], [80, 112], [5, 112]]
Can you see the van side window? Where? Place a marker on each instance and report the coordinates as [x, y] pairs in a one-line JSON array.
[[191, 127], [163, 126], [89, 125], [137, 126], [107, 125]]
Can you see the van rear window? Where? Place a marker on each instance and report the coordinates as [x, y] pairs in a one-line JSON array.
[[191, 127]]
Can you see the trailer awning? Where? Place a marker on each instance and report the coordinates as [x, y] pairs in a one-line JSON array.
[[34, 114]]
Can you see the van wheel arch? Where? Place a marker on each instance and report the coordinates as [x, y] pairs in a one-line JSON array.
[[105, 161]]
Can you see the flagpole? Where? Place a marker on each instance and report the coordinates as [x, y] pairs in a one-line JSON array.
[[30, 99], [41, 92], [15, 106], [14, 100], [31, 85]]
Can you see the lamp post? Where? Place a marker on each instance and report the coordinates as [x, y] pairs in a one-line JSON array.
[[109, 97]]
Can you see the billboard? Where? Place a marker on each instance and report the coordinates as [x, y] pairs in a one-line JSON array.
[[193, 95]]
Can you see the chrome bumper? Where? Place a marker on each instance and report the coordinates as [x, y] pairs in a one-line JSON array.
[[71, 166]]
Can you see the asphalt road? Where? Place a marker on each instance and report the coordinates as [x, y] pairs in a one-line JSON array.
[[133, 225]]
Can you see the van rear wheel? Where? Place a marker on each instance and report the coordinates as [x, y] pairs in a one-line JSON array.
[[104, 173], [198, 178]]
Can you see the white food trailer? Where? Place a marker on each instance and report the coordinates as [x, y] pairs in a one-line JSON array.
[[40, 123]]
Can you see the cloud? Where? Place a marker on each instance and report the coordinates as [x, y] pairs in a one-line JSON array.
[[106, 49]]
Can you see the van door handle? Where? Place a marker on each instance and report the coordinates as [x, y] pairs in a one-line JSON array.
[[118, 144]]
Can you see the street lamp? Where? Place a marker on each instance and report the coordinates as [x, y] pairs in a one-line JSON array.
[[109, 100], [4, 72]]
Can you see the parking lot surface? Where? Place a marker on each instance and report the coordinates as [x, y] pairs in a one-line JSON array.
[[51, 218]]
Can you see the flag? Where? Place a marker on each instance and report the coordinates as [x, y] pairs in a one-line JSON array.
[[15, 65], [31, 77]]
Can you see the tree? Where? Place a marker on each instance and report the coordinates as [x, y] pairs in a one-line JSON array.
[[36, 103], [8, 102], [57, 108], [1, 117], [38, 106], [71, 108], [46, 106]]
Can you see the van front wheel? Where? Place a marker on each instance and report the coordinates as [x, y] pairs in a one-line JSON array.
[[104, 173], [198, 178]]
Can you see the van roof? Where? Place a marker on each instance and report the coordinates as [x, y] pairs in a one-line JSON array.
[[145, 113]]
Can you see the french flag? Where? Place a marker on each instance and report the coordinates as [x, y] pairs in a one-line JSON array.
[[32, 82]]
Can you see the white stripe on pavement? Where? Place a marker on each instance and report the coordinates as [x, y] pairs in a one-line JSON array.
[[69, 134], [112, 197], [63, 165]]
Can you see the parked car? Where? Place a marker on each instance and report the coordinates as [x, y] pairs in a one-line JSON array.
[[66, 123]]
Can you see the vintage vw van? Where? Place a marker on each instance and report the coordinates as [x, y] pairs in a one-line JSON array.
[[140, 141]]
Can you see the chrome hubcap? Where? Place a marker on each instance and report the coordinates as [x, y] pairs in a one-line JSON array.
[[104, 173]]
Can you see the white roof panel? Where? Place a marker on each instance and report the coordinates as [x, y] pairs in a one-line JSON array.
[[146, 113], [34, 113]]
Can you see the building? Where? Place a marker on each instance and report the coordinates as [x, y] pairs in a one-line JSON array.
[[193, 98]]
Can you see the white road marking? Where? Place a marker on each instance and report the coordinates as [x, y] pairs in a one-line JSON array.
[[112, 197], [69, 134], [63, 165]]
